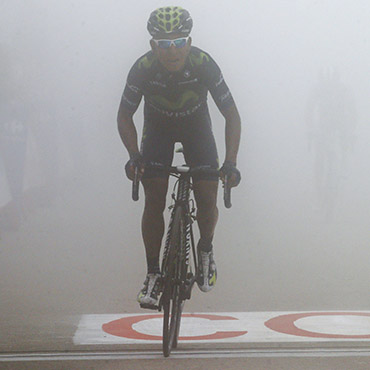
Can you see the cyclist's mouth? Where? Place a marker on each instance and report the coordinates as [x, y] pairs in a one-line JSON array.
[[173, 61], [173, 64]]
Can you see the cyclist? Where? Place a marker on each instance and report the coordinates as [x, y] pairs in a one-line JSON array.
[[174, 78]]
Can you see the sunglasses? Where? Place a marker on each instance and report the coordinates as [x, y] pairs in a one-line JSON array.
[[177, 43]]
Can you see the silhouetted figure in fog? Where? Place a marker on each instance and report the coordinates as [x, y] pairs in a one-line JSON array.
[[26, 118], [331, 123], [13, 137], [175, 77]]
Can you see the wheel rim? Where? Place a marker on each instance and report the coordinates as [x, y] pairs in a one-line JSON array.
[[171, 320]]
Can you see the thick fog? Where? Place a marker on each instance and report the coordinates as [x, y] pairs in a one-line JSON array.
[[297, 236]]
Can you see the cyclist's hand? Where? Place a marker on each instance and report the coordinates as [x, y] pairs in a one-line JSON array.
[[136, 161], [228, 169]]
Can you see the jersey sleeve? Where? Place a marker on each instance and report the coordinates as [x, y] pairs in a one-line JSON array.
[[217, 85], [132, 92]]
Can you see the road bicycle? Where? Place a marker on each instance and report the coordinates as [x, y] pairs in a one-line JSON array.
[[179, 259]]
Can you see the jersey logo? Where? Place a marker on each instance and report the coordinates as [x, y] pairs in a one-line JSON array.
[[188, 82], [225, 96], [129, 102], [133, 88], [220, 81], [179, 103], [158, 83]]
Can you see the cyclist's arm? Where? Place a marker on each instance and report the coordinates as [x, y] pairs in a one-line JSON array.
[[127, 130], [232, 132], [232, 140], [222, 96], [131, 97]]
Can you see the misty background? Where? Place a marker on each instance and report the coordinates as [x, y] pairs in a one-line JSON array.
[[297, 236]]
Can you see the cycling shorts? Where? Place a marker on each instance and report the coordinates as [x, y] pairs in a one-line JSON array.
[[194, 133]]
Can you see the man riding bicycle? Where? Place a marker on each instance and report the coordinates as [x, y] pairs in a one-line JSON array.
[[174, 78]]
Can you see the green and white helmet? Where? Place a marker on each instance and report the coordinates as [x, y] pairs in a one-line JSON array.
[[170, 19]]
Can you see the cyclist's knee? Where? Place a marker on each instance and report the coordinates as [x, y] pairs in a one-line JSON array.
[[205, 193], [155, 194]]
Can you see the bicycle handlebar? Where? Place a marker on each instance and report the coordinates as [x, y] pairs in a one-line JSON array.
[[178, 170]]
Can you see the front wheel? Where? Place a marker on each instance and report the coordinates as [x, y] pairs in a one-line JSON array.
[[172, 297], [172, 307]]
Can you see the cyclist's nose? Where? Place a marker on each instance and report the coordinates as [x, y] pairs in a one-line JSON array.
[[172, 50]]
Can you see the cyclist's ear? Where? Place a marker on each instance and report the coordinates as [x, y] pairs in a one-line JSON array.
[[153, 45]]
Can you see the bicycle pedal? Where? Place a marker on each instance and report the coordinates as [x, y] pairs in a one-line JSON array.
[[149, 306]]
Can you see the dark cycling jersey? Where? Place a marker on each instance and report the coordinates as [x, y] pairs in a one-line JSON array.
[[176, 108], [175, 94], [195, 135]]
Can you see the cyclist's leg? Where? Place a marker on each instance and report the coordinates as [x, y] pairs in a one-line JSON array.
[[200, 150], [205, 193], [157, 146], [153, 222]]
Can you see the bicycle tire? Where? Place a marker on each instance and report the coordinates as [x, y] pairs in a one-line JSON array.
[[172, 300]]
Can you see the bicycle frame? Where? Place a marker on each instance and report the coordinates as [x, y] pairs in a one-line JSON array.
[[177, 275], [182, 200]]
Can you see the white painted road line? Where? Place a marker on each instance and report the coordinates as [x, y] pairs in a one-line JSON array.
[[227, 327], [185, 354]]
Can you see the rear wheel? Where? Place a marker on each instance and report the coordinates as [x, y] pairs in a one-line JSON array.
[[172, 294]]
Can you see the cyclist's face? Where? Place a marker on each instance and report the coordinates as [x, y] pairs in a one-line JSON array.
[[173, 58]]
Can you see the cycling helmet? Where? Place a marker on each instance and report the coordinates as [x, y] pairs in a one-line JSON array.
[[170, 19]]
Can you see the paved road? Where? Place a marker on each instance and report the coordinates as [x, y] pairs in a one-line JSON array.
[[268, 361], [82, 255]]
